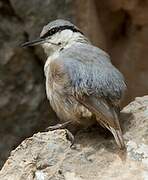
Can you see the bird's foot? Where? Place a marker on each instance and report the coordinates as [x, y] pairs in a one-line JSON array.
[[70, 137], [58, 126]]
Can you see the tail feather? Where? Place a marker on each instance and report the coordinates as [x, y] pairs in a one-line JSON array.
[[106, 114], [118, 137], [117, 133]]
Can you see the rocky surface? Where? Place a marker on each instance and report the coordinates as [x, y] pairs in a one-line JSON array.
[[48, 156]]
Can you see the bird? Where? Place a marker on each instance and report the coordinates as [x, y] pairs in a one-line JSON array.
[[82, 85]]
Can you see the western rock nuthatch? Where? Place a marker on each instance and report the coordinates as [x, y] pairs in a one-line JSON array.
[[81, 81]]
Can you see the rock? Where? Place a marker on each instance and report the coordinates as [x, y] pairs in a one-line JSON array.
[[48, 155]]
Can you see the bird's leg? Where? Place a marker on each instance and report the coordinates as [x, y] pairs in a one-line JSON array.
[[58, 126], [70, 137]]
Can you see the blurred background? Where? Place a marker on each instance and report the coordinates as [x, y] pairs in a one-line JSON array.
[[120, 27]]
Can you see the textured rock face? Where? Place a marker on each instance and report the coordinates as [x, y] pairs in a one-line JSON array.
[[49, 156]]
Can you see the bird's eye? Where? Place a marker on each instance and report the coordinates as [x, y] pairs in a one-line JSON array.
[[53, 31], [50, 32]]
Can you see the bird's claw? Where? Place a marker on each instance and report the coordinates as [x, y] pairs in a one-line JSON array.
[[70, 137], [58, 126]]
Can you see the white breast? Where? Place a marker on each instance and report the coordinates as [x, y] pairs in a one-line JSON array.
[[48, 72]]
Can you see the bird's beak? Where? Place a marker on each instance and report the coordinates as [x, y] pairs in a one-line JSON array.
[[37, 42], [33, 43]]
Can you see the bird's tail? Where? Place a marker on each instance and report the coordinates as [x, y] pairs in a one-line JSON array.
[[107, 116], [118, 137], [117, 133]]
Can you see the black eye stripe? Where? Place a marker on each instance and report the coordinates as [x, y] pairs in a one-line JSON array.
[[58, 29]]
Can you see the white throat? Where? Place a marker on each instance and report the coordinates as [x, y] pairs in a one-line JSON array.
[[64, 40]]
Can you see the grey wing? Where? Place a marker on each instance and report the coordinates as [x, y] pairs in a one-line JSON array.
[[95, 83], [91, 73]]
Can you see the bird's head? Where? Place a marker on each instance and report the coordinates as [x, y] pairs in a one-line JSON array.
[[55, 35]]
